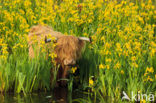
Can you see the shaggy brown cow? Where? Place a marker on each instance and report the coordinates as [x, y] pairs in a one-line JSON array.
[[68, 49]]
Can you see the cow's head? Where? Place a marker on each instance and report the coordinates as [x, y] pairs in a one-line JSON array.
[[69, 49]]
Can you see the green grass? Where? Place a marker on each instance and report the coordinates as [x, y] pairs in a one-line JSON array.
[[122, 32]]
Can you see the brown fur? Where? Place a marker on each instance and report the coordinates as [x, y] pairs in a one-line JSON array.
[[40, 31], [68, 48]]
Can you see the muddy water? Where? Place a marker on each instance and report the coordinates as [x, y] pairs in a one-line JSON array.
[[59, 95]]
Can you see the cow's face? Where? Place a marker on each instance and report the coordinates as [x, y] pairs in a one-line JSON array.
[[68, 49]]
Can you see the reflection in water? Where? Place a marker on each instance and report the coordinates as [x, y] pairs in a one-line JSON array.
[[59, 95]]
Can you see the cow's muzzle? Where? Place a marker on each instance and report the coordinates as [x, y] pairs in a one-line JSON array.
[[69, 62]]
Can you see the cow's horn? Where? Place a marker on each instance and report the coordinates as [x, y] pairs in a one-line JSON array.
[[85, 39], [48, 40]]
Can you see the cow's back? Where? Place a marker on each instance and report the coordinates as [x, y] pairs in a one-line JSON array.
[[39, 32]]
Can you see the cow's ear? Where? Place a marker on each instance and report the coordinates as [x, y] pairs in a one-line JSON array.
[[81, 43]]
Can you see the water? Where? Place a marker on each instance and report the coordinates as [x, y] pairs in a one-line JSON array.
[[59, 95]]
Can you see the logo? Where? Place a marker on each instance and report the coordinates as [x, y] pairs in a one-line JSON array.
[[125, 97], [138, 97]]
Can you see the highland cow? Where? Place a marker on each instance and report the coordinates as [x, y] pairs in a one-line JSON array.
[[68, 49]]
